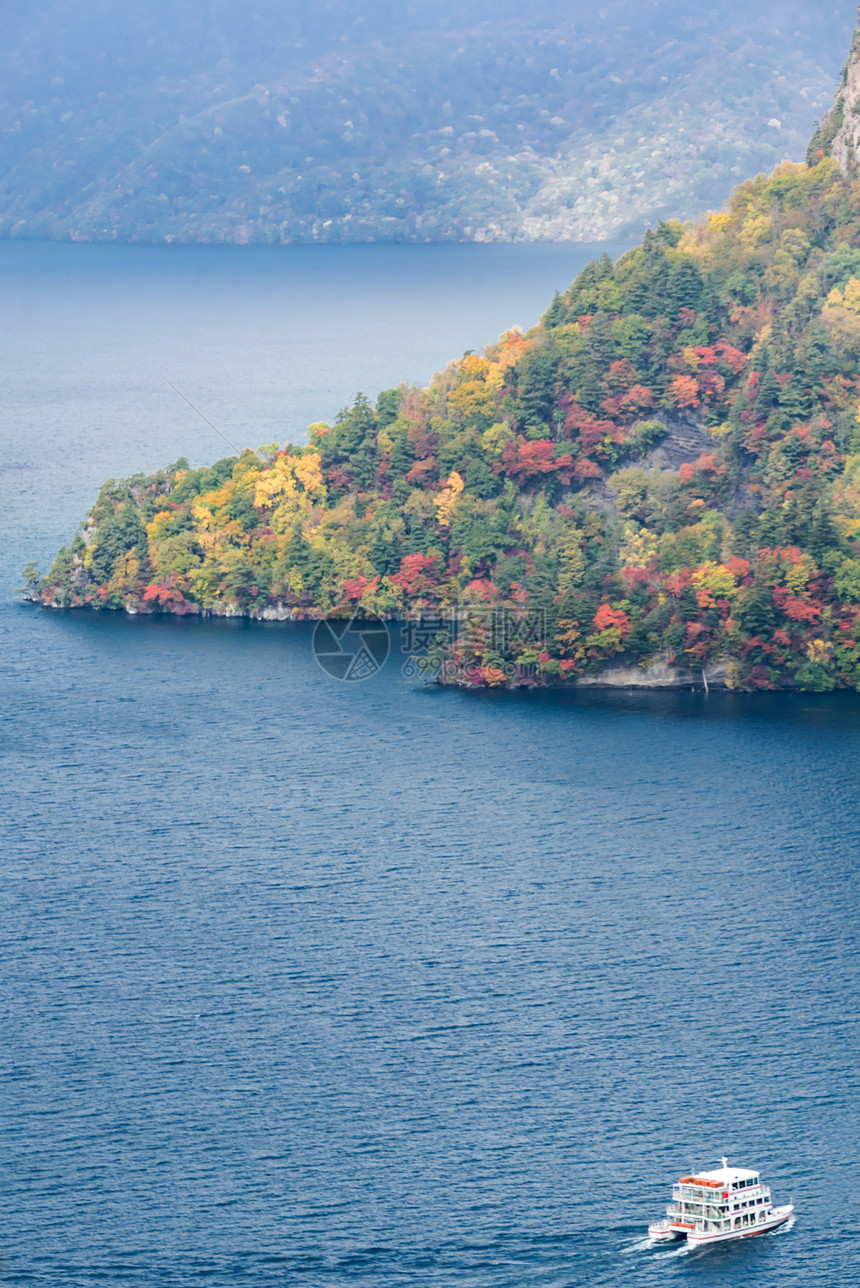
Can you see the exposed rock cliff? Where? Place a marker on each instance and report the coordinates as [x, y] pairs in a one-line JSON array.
[[838, 135]]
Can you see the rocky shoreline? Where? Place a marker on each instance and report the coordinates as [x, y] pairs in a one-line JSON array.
[[622, 675]]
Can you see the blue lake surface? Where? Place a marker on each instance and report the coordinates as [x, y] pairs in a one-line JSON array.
[[324, 984]]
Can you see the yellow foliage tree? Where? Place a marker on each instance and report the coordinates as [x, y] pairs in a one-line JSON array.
[[495, 439], [276, 483], [639, 547], [571, 561], [159, 525], [308, 470], [447, 499], [847, 299], [798, 574], [818, 651], [715, 578]]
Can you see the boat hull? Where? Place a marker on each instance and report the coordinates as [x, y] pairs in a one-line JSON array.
[[778, 1217], [663, 1233]]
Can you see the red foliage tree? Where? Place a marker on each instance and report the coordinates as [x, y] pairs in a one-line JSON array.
[[586, 469], [354, 589], [684, 392], [607, 617], [418, 573]]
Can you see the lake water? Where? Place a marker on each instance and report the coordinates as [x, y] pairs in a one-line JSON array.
[[324, 984]]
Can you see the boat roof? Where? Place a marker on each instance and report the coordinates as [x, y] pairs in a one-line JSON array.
[[727, 1174]]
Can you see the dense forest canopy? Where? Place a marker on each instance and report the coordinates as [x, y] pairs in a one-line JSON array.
[[203, 120], [666, 469]]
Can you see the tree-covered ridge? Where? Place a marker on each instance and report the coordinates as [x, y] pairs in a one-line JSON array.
[[543, 474], [323, 120]]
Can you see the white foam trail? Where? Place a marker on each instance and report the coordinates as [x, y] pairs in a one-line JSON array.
[[683, 1251], [641, 1245]]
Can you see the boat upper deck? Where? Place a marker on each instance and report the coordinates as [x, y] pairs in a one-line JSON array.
[[722, 1179], [725, 1176]]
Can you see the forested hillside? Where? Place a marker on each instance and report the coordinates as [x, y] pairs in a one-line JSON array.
[[208, 121], [667, 468]]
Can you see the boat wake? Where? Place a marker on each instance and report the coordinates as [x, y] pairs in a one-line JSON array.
[[668, 1254], [679, 1249], [641, 1245]]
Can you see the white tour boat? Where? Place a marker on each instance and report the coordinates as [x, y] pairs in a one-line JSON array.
[[715, 1206]]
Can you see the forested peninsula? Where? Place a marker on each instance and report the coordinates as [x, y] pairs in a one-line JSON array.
[[666, 469]]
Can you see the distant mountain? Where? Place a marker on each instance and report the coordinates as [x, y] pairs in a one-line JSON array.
[[659, 483], [202, 120]]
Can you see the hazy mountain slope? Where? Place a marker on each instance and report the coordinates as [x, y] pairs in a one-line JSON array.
[[206, 121]]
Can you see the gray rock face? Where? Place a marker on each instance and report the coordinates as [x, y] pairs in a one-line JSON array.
[[845, 113], [686, 440], [658, 676]]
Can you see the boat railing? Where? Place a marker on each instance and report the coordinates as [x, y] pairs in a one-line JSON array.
[[689, 1192], [695, 1193], [708, 1214], [710, 1201]]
